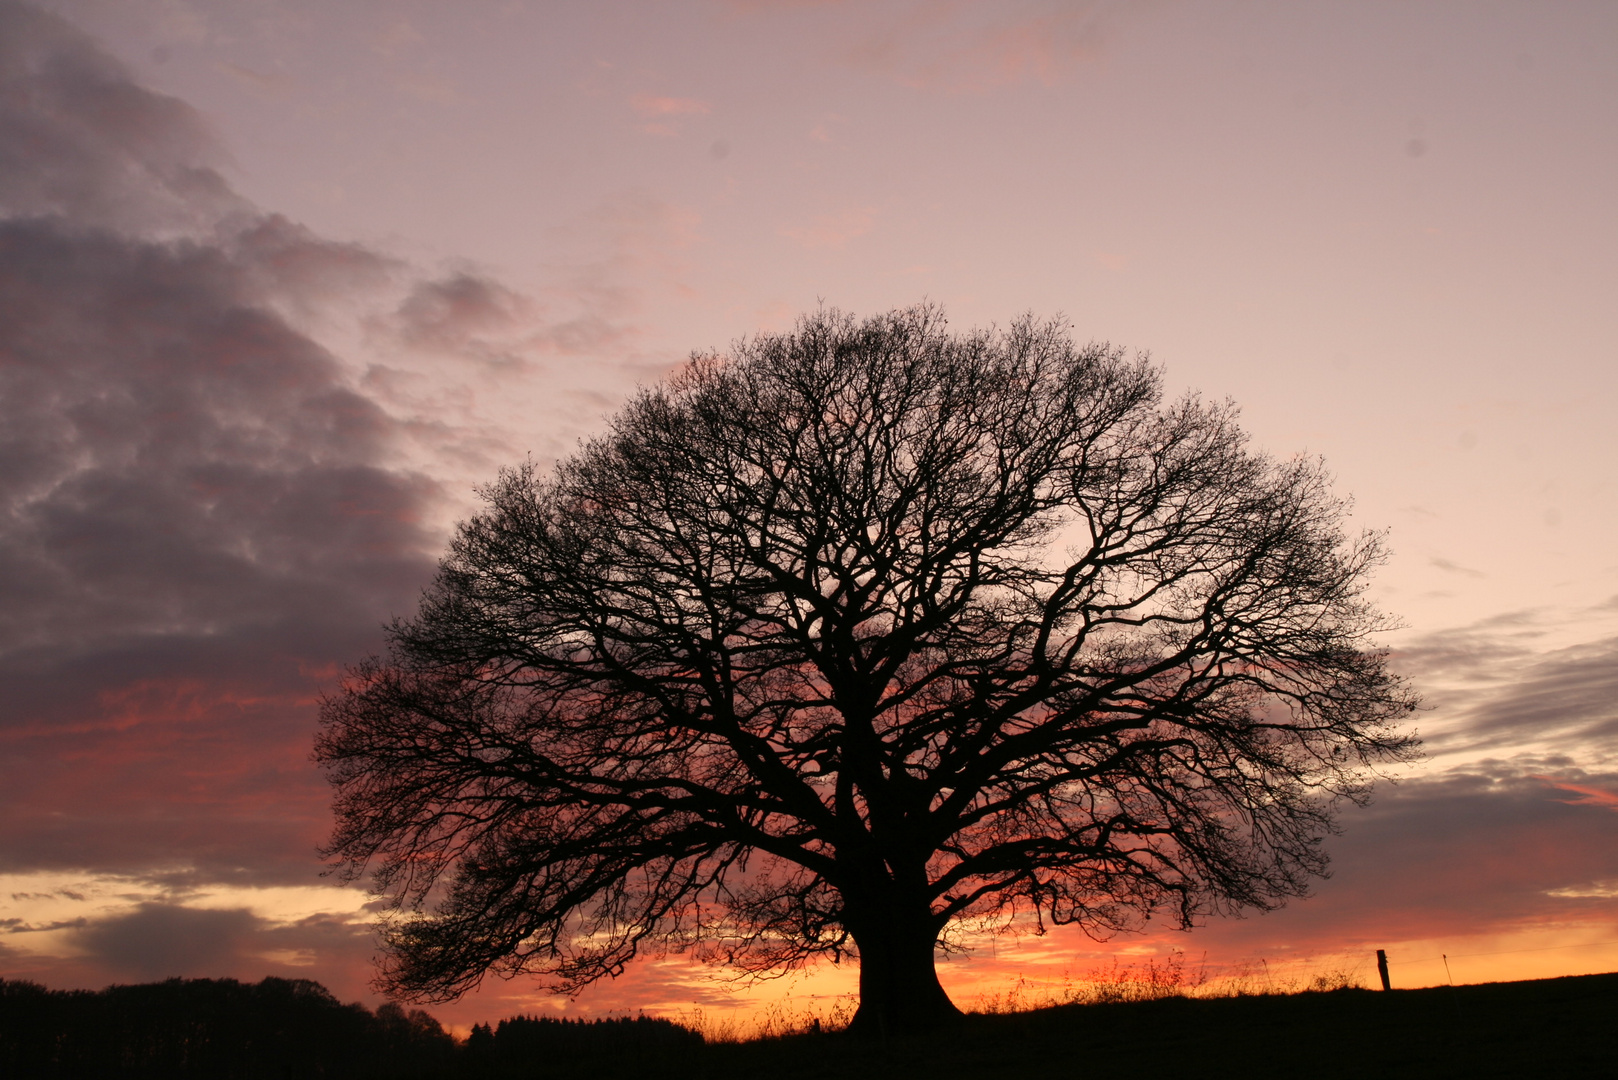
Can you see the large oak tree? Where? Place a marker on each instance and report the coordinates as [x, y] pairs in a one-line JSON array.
[[853, 637]]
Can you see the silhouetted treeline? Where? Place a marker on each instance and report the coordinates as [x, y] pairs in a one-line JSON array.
[[216, 1028], [222, 1029]]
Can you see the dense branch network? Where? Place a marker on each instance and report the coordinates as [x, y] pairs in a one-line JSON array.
[[855, 634]]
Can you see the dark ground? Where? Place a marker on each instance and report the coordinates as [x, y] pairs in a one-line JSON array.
[[1545, 1028], [224, 1030]]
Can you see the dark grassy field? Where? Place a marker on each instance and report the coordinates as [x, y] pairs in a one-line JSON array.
[[225, 1030], [1545, 1028]]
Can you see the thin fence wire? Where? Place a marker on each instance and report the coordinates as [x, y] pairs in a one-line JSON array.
[[1500, 952]]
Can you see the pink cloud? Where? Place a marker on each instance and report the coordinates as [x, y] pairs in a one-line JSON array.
[[974, 47], [833, 230], [652, 106], [661, 113], [1591, 796]]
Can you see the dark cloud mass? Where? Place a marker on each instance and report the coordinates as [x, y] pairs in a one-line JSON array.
[[178, 460], [156, 941], [1570, 695], [1473, 850], [1498, 689], [163, 940], [201, 517], [461, 313], [79, 139]]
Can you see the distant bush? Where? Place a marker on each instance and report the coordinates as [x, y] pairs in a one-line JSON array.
[[525, 1046]]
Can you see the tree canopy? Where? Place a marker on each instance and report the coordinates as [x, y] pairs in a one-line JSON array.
[[850, 639]]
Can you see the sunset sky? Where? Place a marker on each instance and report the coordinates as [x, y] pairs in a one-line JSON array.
[[283, 281]]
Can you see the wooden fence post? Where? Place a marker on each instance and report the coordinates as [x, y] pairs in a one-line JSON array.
[[1382, 968]]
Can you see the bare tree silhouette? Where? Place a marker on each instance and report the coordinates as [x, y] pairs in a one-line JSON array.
[[852, 637]]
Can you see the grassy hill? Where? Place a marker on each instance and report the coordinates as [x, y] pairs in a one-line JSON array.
[[221, 1029], [1544, 1028]]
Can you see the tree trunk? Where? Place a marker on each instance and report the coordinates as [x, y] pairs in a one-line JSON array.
[[899, 987]]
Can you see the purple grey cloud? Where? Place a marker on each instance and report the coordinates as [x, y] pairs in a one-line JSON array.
[[80, 139], [202, 516], [157, 941]]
